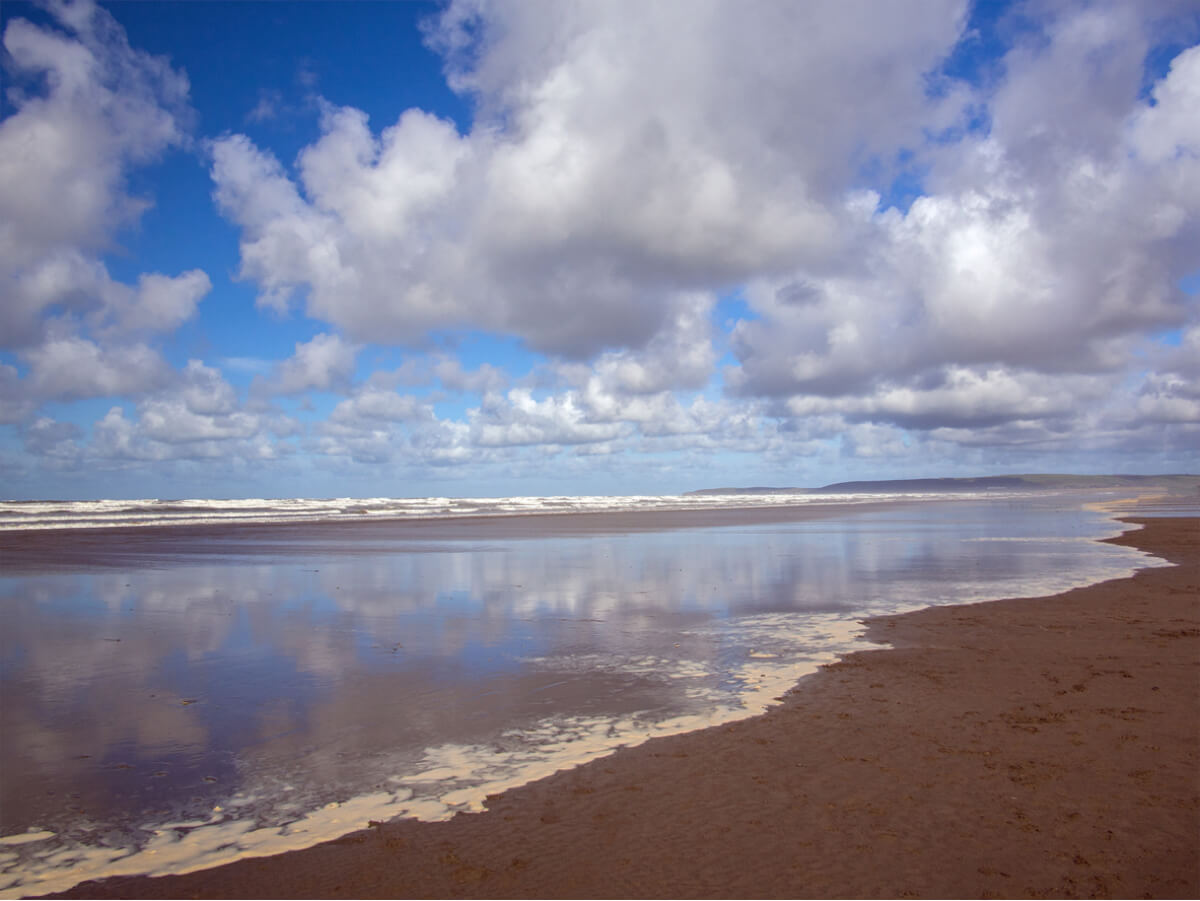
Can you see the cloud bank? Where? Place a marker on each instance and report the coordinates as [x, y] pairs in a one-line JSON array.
[[759, 230]]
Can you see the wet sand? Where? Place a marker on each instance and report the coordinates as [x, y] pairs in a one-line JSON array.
[[1018, 748], [120, 547]]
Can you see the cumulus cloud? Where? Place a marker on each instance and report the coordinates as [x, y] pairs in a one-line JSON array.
[[326, 363], [626, 162], [199, 407], [374, 406], [189, 415], [87, 110], [1168, 129], [680, 356], [114, 438], [15, 404], [160, 303], [70, 368], [198, 416], [626, 403], [203, 390], [486, 379], [620, 154], [88, 107], [521, 419], [1042, 253], [1169, 399], [56, 440], [924, 265], [174, 422]]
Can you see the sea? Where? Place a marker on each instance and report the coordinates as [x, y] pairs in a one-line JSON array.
[[185, 683]]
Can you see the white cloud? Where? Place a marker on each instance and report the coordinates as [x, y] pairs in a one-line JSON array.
[[193, 414], [15, 404], [199, 407], [71, 368], [621, 153], [1170, 128], [379, 405], [267, 108], [64, 155], [284, 241], [326, 363], [679, 356], [628, 165], [870, 441], [161, 303], [1167, 399], [627, 162], [521, 419], [113, 438], [88, 110], [204, 391], [173, 422], [624, 159], [961, 396], [1020, 288], [197, 416], [72, 280], [46, 437], [487, 378]]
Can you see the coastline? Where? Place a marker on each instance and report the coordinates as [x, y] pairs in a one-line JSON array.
[[1013, 748]]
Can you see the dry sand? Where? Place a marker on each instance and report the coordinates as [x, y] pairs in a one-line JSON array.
[[1019, 748]]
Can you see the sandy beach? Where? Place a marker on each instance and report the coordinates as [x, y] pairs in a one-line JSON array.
[[1017, 748]]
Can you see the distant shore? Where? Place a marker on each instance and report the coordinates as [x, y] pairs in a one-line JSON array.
[[1044, 746]]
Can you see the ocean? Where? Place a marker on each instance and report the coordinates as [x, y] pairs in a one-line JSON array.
[[186, 683]]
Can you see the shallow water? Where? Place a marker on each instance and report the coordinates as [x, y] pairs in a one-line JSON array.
[[218, 698]]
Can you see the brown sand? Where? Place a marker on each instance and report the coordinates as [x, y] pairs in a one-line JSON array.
[[1038, 747]]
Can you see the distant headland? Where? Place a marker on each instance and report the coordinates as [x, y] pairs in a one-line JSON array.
[[1174, 482]]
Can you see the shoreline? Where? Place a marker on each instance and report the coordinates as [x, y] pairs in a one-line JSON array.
[[35, 550], [1013, 748], [106, 547]]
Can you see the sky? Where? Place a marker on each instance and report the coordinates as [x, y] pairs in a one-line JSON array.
[[329, 249]]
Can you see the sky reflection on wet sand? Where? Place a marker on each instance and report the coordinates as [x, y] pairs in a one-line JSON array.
[[169, 716]]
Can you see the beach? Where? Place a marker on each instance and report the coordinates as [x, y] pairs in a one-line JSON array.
[[551, 448], [1016, 748]]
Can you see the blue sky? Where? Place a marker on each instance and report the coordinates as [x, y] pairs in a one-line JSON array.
[[373, 248]]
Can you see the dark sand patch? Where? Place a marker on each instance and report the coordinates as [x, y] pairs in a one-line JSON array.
[[1019, 748]]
